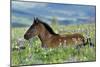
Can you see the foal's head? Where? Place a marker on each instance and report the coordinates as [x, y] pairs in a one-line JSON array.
[[37, 28], [34, 29]]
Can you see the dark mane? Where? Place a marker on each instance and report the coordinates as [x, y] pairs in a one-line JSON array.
[[48, 27]]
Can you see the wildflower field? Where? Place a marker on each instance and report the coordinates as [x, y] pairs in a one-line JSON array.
[[35, 54]]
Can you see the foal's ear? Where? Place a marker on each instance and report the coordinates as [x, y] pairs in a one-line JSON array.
[[36, 20]]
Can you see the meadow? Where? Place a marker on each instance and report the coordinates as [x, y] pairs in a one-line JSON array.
[[35, 54]]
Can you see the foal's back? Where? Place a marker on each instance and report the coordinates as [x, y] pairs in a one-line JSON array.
[[69, 39]]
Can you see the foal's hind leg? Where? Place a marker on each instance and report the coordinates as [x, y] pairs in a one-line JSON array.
[[78, 47], [90, 43]]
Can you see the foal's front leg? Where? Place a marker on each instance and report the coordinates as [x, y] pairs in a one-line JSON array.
[[44, 46]]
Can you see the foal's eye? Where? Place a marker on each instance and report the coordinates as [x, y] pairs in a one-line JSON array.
[[28, 33], [33, 30]]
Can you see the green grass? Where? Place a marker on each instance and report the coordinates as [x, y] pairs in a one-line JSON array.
[[38, 55]]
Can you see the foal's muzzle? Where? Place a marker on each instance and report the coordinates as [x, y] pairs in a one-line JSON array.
[[26, 37]]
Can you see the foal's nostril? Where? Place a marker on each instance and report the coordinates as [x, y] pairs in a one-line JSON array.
[[25, 37]]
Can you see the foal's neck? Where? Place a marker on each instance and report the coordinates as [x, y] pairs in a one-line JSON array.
[[45, 36]]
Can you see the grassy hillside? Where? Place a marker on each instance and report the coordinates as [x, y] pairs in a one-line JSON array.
[[38, 55]]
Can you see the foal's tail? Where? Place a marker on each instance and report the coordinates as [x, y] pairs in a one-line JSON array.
[[88, 42]]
